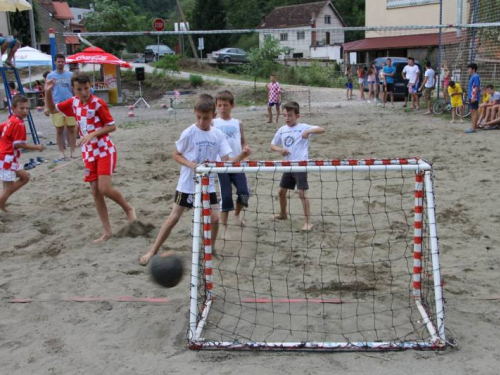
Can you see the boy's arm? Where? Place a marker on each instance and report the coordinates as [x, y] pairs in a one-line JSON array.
[[313, 130], [243, 139], [179, 158], [28, 146], [49, 100], [281, 150], [103, 131], [244, 154]]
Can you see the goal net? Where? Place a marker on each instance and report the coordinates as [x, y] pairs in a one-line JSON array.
[[366, 277], [301, 96]]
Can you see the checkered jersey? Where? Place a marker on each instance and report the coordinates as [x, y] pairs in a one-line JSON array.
[[91, 117], [274, 92], [12, 132]]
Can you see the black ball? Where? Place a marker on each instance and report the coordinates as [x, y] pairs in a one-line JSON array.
[[166, 269]]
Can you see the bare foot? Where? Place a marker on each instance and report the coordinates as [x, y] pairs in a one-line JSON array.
[[452, 121], [461, 121], [307, 227], [269, 122], [280, 217], [103, 238], [240, 219], [145, 258], [4, 210], [131, 216]]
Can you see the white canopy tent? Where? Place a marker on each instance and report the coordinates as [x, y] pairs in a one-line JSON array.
[[28, 57]]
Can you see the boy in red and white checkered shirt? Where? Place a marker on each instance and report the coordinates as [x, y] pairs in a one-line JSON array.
[[12, 140], [274, 94], [99, 153]]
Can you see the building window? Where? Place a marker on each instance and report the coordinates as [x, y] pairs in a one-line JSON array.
[[284, 37], [77, 31], [328, 20], [301, 35], [79, 16], [409, 3]]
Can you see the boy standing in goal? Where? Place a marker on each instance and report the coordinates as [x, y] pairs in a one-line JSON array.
[[198, 143], [99, 152], [292, 141], [235, 136]]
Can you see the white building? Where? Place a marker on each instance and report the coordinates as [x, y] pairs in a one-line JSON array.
[[303, 41]]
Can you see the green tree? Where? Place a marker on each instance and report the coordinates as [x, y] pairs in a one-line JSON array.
[[20, 26], [262, 59], [110, 16], [210, 15]]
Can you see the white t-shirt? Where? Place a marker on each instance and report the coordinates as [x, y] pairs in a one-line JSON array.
[[411, 73], [232, 130], [291, 139], [495, 97], [430, 74], [198, 145]]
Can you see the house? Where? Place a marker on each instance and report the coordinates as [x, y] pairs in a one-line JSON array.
[[404, 42], [77, 25], [303, 41], [54, 15]]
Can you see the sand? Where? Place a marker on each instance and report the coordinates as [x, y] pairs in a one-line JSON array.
[[47, 255]]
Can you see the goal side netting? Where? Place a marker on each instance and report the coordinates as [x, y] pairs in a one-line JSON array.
[[366, 277]]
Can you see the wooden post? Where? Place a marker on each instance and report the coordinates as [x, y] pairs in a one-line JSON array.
[[193, 47]]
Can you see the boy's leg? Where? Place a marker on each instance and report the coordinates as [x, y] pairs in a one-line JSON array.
[[306, 206], [461, 111], [282, 192], [385, 96], [165, 231], [106, 189], [243, 193], [226, 197], [13, 50], [60, 141], [214, 221], [269, 114], [71, 137], [10, 187], [102, 211], [278, 112], [453, 110]]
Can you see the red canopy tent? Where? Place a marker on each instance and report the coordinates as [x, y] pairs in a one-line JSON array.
[[95, 55]]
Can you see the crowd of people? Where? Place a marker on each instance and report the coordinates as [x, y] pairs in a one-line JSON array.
[[379, 83]]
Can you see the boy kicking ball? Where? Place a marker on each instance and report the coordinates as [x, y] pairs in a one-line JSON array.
[[12, 141], [99, 153], [198, 143], [292, 141]]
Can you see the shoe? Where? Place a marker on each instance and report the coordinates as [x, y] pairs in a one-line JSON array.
[[34, 162], [470, 131], [494, 127], [9, 64], [41, 160], [28, 166]]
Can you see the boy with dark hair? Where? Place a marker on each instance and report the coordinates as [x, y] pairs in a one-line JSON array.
[[474, 95], [198, 143], [99, 152], [486, 109], [235, 136], [428, 85], [274, 96], [411, 72], [292, 141], [12, 142]]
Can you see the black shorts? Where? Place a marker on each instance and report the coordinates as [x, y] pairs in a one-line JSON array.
[[474, 105], [290, 180], [389, 87], [187, 200]]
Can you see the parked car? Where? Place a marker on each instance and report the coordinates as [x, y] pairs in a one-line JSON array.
[[227, 55], [399, 83], [154, 52]]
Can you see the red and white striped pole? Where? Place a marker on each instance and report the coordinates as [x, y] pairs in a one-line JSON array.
[[207, 233], [417, 239]]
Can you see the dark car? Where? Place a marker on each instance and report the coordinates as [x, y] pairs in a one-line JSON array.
[[154, 52], [227, 55], [399, 83]]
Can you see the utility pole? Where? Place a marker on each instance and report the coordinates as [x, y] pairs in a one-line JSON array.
[[193, 47]]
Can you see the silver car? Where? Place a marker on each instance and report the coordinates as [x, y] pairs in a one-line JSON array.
[[227, 55]]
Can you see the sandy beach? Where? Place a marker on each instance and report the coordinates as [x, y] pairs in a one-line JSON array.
[[47, 256]]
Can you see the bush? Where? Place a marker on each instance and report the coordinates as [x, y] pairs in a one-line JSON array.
[[195, 80], [169, 63]]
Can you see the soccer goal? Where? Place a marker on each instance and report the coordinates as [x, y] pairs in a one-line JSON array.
[[366, 277], [301, 96]]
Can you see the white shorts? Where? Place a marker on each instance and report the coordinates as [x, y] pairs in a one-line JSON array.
[[8, 175], [361, 80]]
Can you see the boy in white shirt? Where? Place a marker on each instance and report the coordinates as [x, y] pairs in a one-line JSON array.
[[235, 136], [198, 143], [428, 86], [411, 72], [292, 142]]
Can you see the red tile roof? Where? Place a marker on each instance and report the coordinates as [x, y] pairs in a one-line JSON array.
[[72, 40], [294, 15], [62, 11], [402, 41]]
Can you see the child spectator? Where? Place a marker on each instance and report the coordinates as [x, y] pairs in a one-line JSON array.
[[198, 143], [446, 74], [235, 136], [474, 95], [99, 152], [12, 141], [486, 108], [381, 83], [389, 72], [292, 141], [361, 80], [411, 72], [455, 93], [13, 92], [372, 82], [349, 83], [428, 86], [274, 94]]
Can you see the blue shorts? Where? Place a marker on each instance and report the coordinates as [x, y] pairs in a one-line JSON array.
[[239, 180], [277, 104], [348, 86], [474, 105], [12, 41]]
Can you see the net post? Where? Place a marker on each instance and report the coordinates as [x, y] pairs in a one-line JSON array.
[[438, 289], [207, 235], [195, 260], [417, 237]]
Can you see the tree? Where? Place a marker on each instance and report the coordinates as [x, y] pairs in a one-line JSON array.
[[262, 59], [108, 15], [20, 26], [210, 15]]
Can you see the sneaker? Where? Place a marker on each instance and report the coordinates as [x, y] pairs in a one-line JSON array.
[[470, 131]]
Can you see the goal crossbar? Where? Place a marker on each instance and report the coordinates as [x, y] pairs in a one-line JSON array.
[[202, 258]]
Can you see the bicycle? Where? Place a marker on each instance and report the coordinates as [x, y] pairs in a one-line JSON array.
[[441, 106]]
